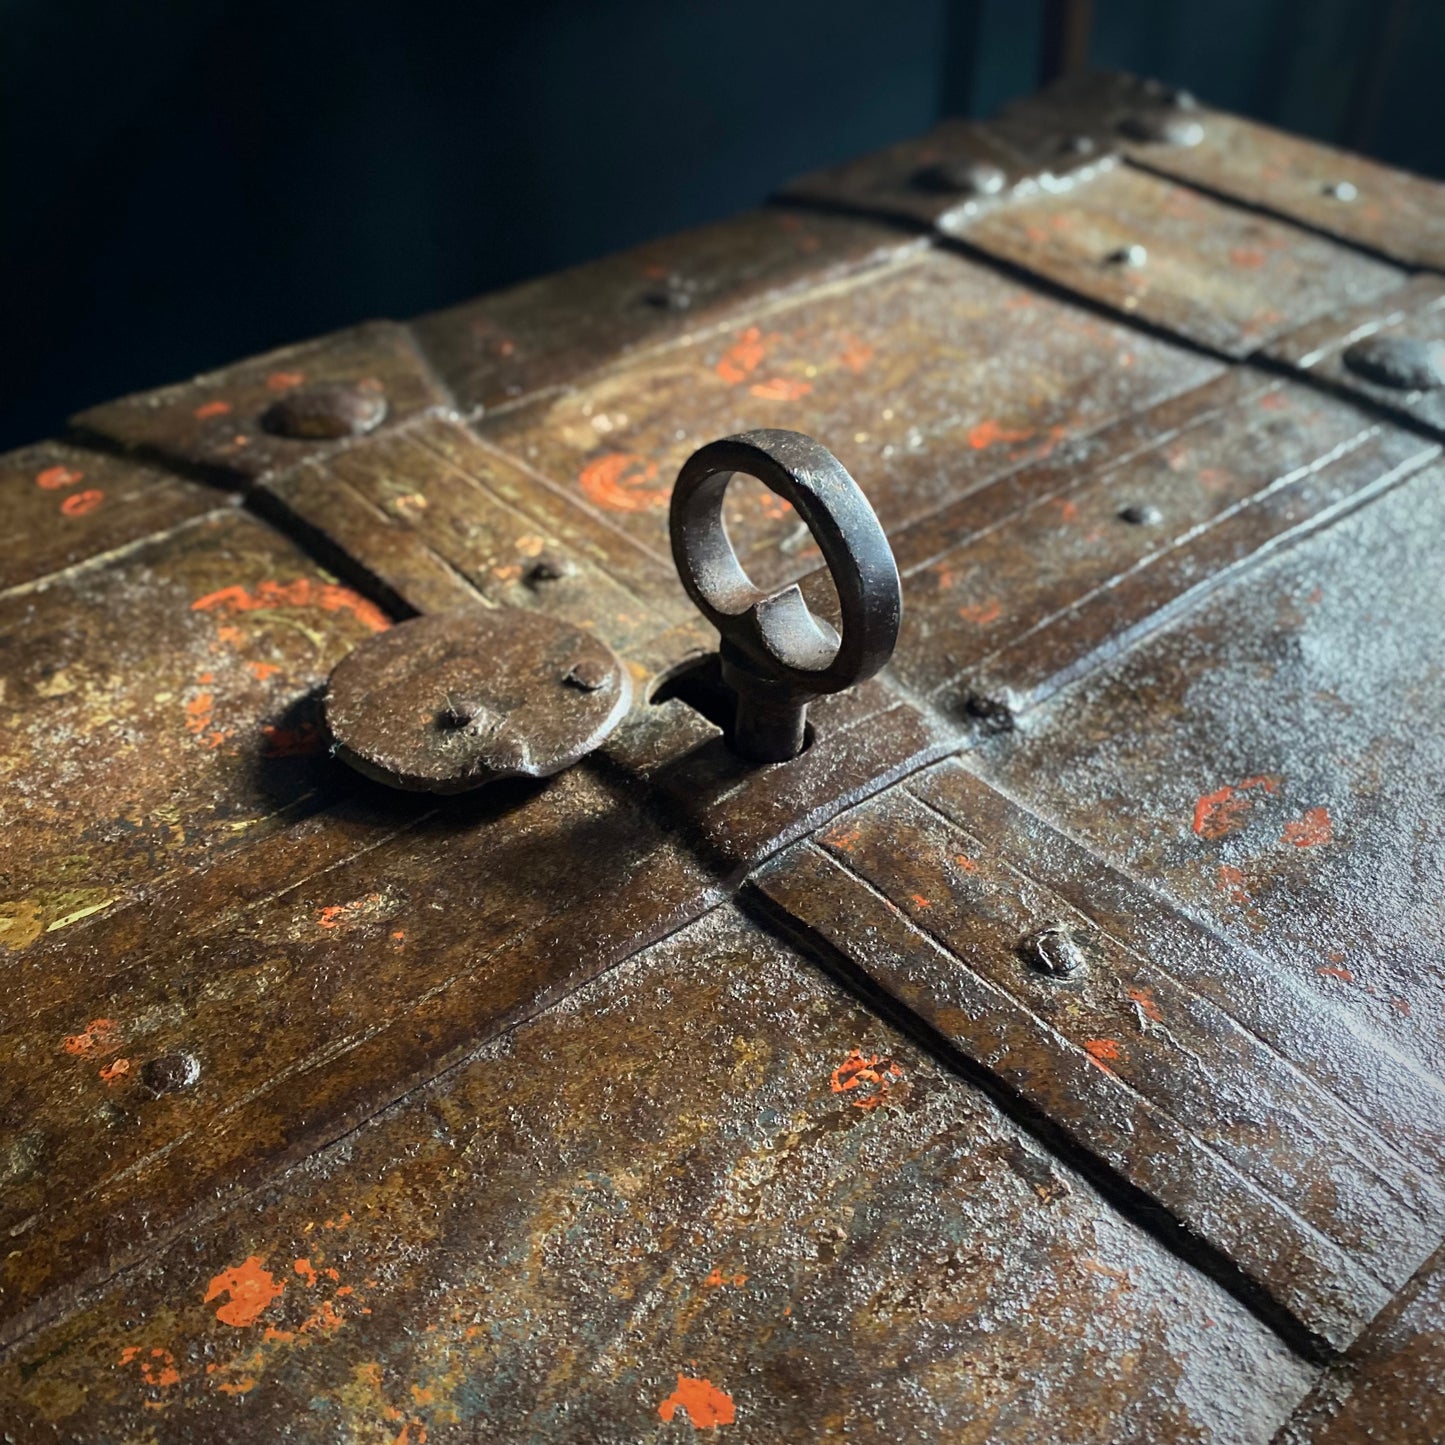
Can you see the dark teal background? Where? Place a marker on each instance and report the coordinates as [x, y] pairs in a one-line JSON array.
[[187, 181]]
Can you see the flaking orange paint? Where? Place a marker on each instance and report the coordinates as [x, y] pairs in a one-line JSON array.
[[251, 1288], [705, 1405]]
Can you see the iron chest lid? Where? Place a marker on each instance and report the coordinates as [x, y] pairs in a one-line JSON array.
[[1027, 1008]]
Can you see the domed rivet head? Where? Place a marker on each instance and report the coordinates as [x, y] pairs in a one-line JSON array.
[[1341, 190], [327, 411], [1168, 126], [1132, 256], [1140, 515], [961, 177], [1056, 949], [1400, 362], [170, 1073]]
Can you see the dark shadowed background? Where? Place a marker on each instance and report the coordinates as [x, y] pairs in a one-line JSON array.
[[187, 181]]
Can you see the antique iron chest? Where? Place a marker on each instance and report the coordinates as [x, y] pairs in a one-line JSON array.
[[1050, 1050]]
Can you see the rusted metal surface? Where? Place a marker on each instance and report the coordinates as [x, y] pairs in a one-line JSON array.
[[233, 424], [776, 655], [1331, 351], [159, 711], [439, 520], [551, 332], [417, 935], [900, 370], [1009, 592], [1160, 1083], [710, 1191], [1174, 913], [1373, 206], [451, 702], [1388, 1386], [64, 506], [1272, 764], [1214, 274], [957, 170]]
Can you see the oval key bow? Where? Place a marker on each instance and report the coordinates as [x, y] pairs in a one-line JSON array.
[[776, 654]]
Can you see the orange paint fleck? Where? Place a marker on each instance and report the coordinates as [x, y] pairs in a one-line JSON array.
[[919, 901], [242, 1386], [1221, 812], [113, 1071], [303, 592], [99, 1036], [1314, 828], [336, 915], [622, 482], [53, 478], [716, 1278], [1104, 1052], [774, 507], [706, 1406], [208, 409], [158, 1368], [743, 357], [1233, 882], [77, 504], [1343, 974], [990, 433], [1274, 401], [967, 864], [251, 1289], [262, 670], [284, 380], [981, 614], [781, 388], [1148, 1005], [303, 1268], [855, 355], [1068, 509], [856, 1071]]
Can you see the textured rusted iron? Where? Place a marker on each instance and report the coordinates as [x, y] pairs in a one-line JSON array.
[[1162, 1085], [1210, 272], [709, 1193], [1371, 205], [1413, 316], [1388, 1386], [65, 505], [552, 332], [899, 369], [269, 413], [1283, 784], [1173, 913], [160, 711], [456, 700]]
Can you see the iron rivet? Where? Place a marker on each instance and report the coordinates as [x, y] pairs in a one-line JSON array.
[[545, 569], [1140, 516], [170, 1073], [1401, 362], [1163, 127], [326, 412], [1134, 255], [1341, 190], [962, 177], [1056, 949], [588, 674], [992, 715], [675, 294]]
